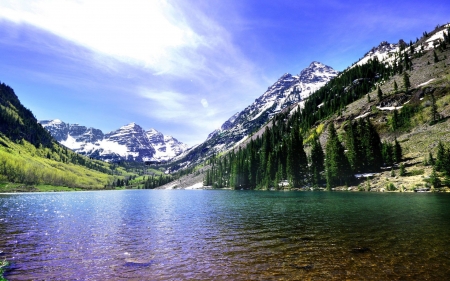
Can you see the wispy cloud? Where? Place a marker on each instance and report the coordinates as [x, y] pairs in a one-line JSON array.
[[141, 32]]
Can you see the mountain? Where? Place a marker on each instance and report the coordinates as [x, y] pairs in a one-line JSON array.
[[382, 52], [381, 125], [287, 91], [18, 122], [31, 159], [129, 142]]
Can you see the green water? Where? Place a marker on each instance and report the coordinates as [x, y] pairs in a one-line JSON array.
[[225, 235]]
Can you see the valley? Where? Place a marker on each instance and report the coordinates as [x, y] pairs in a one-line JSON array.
[[301, 101]]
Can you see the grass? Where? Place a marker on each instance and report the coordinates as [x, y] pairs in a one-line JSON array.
[[422, 136], [6, 187], [28, 168], [3, 266]]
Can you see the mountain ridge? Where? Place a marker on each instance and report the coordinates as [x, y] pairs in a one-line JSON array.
[[130, 142], [286, 91]]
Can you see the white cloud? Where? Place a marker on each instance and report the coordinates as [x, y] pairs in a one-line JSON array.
[[149, 33], [163, 43], [165, 105]]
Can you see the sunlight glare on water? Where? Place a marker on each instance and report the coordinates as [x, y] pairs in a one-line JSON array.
[[225, 235]]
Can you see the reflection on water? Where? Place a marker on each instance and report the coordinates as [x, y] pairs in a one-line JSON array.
[[232, 235]]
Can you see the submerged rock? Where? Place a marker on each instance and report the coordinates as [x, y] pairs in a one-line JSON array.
[[303, 267], [357, 250]]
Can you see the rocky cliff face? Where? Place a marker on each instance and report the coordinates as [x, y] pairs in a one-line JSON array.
[[129, 142]]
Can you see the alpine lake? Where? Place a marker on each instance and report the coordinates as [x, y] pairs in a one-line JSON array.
[[225, 235]]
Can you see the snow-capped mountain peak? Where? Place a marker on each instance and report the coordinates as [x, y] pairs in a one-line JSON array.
[[287, 91], [129, 142]]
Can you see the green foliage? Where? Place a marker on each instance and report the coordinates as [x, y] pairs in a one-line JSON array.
[[402, 170], [379, 94], [406, 82], [3, 266], [434, 179], [17, 122], [297, 163], [392, 172], [317, 162], [416, 172], [390, 187], [24, 163], [350, 85], [442, 163], [402, 120], [337, 167]]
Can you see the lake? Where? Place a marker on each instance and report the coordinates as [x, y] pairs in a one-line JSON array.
[[225, 235]]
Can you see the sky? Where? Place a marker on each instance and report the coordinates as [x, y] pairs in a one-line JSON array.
[[183, 67]]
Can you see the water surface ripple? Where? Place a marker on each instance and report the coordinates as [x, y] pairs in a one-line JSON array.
[[225, 235]]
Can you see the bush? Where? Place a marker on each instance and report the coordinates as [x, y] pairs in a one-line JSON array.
[[390, 187]]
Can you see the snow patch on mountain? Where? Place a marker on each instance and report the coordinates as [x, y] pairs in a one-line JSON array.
[[382, 52], [129, 142], [289, 90]]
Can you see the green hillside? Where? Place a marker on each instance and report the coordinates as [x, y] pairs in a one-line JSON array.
[[389, 120], [30, 160]]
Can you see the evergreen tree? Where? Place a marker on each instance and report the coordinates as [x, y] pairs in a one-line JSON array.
[[430, 159], [317, 162], [371, 145], [336, 163], [395, 87], [406, 82], [379, 94], [398, 153], [402, 171], [297, 162], [352, 145], [440, 158], [387, 153], [436, 59], [395, 120], [434, 179]]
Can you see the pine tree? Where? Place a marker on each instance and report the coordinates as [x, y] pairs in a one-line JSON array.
[[402, 171], [395, 87], [436, 59], [317, 162], [379, 94], [297, 162], [434, 179], [430, 159], [336, 163], [387, 153], [351, 143], [406, 82], [398, 153], [395, 120], [371, 145], [440, 158]]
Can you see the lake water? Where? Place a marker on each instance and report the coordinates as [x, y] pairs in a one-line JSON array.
[[225, 235]]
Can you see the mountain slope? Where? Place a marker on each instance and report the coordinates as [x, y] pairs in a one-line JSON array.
[[130, 142], [287, 91], [413, 108], [30, 157], [18, 122]]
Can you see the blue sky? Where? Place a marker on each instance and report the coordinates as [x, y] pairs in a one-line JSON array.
[[183, 67]]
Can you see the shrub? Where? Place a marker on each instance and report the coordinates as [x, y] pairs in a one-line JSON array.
[[390, 187]]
